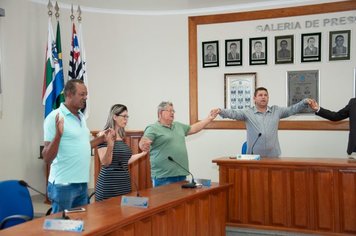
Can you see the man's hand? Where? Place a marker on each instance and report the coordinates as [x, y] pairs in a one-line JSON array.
[[314, 105], [145, 144], [213, 113]]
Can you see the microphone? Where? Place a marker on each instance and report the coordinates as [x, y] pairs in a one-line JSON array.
[[259, 135], [127, 171], [188, 185], [25, 184]]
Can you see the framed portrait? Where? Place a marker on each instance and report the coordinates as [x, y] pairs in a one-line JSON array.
[[233, 52], [210, 54], [258, 51], [284, 49], [339, 45], [302, 84], [311, 47], [238, 90]]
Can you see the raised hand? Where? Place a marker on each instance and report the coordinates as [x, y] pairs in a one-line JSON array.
[[313, 105], [145, 144], [59, 124], [213, 113]]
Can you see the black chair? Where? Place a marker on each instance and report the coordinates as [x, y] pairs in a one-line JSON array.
[[15, 204]]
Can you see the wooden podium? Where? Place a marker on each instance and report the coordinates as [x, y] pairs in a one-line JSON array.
[[316, 195], [172, 211]]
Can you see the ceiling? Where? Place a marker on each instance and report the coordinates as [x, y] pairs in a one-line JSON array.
[[168, 7]]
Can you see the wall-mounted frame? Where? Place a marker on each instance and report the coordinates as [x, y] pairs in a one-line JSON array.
[[339, 45], [258, 51], [284, 49], [302, 84], [195, 21], [210, 54], [233, 52], [238, 90], [311, 47]]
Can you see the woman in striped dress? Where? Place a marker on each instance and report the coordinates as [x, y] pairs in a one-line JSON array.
[[115, 156]]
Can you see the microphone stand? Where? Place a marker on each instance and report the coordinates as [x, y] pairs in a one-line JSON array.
[[254, 143], [192, 184]]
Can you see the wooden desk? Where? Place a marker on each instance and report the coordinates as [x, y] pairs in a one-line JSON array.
[[172, 211], [297, 194]]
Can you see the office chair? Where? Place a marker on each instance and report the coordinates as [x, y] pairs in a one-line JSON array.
[[244, 148], [15, 204]]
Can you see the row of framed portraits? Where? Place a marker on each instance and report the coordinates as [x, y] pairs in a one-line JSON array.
[[339, 49], [239, 88]]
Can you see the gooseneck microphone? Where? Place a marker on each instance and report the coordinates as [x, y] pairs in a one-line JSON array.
[[25, 184], [133, 180], [192, 184], [254, 143]]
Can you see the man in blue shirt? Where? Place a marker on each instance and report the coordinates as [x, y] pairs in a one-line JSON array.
[[67, 147], [262, 122]]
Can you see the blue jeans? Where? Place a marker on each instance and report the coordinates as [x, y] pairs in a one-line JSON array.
[[167, 180], [66, 196]]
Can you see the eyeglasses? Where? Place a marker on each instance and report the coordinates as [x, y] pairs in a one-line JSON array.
[[170, 111], [124, 116]]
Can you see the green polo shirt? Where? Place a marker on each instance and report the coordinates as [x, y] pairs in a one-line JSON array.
[[168, 141], [72, 163]]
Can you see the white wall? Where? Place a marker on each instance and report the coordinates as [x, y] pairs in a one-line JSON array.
[[135, 60]]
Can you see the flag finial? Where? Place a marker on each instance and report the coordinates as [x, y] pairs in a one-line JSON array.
[[56, 7], [79, 11], [49, 6], [71, 13]]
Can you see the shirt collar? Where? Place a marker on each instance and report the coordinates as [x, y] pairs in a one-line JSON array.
[[65, 111], [256, 111]]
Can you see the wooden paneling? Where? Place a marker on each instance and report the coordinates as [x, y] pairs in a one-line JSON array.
[[140, 170], [315, 195], [172, 211]]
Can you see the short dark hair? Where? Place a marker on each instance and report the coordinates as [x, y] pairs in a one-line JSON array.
[[70, 87], [233, 44], [339, 36], [283, 41], [260, 89]]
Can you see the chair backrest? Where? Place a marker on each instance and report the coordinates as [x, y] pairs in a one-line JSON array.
[[15, 200], [244, 148]]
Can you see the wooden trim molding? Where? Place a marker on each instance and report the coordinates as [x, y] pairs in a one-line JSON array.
[[193, 23]]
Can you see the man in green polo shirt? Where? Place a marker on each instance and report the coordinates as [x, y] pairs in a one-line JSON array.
[[166, 138]]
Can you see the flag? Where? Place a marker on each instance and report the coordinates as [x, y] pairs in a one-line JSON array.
[[76, 69], [48, 95], [53, 82], [84, 69], [59, 77], [75, 63]]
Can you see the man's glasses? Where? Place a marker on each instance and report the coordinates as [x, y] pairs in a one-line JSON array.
[[124, 116], [170, 111]]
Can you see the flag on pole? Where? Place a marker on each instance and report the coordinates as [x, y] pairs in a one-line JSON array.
[[48, 95], [84, 69], [75, 63], [59, 77], [76, 70]]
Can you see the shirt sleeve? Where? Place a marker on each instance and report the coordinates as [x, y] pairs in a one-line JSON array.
[[49, 127], [232, 114], [294, 109]]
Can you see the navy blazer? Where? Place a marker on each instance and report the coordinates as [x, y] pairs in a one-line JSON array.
[[349, 111]]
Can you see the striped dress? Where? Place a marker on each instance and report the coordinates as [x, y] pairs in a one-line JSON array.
[[114, 180]]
